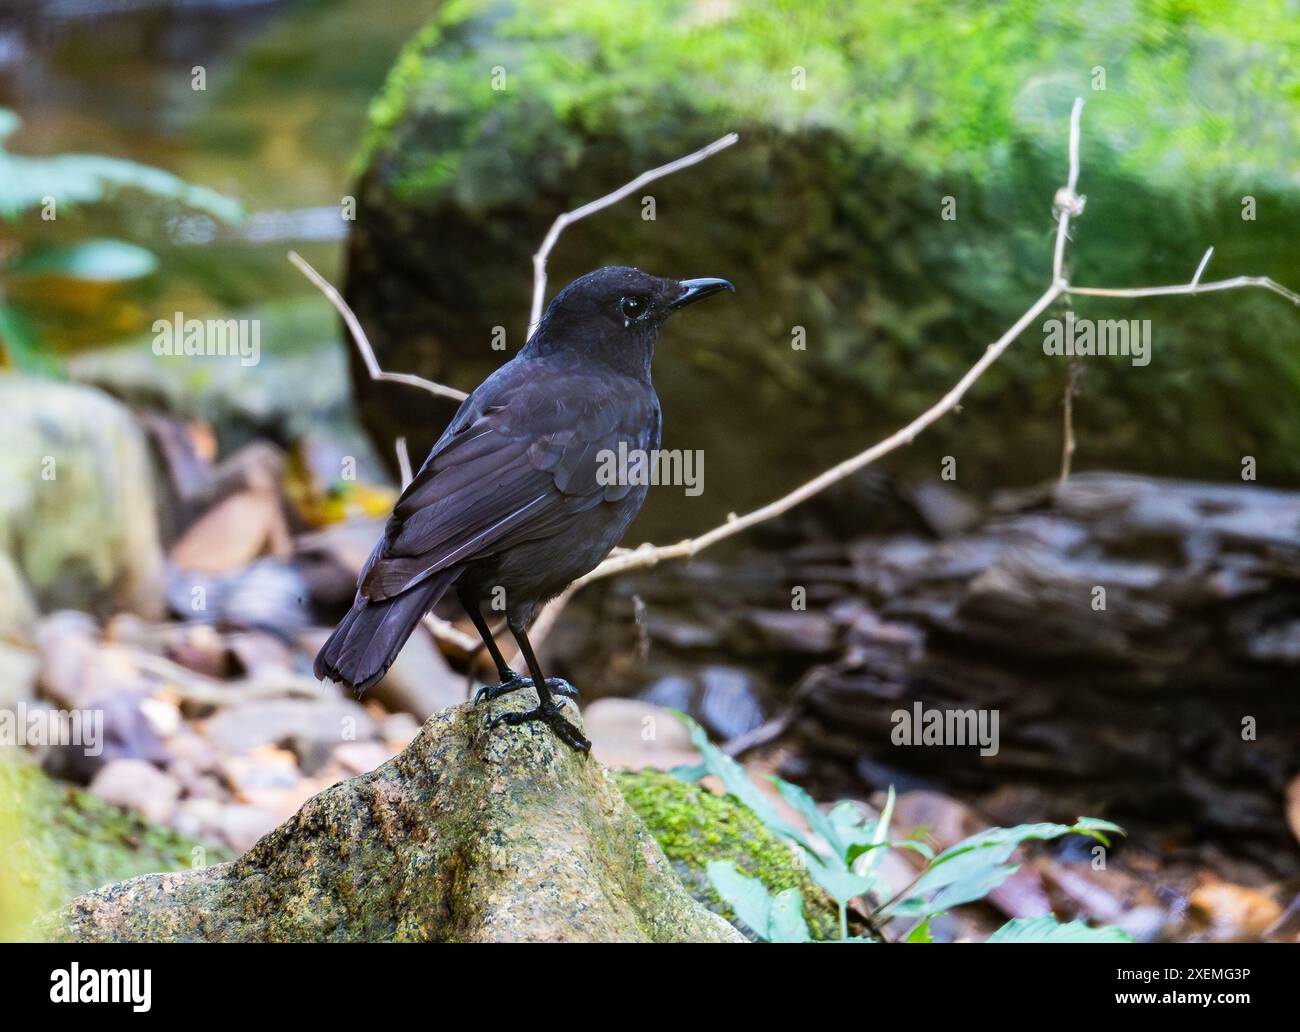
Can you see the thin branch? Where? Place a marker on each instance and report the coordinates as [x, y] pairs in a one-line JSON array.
[[1236, 283], [1067, 419], [447, 632], [361, 341], [1196, 278], [440, 629], [1068, 204], [591, 207], [403, 462]]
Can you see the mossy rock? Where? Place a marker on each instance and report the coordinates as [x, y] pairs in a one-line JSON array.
[[827, 216], [695, 826], [59, 841], [471, 833]]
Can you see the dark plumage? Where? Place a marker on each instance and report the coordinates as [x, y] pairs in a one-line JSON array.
[[508, 504]]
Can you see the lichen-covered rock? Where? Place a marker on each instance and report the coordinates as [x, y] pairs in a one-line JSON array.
[[469, 834], [695, 826]]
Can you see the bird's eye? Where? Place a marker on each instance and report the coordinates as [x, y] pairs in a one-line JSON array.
[[633, 307]]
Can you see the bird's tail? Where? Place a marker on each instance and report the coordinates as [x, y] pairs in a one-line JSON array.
[[367, 640]]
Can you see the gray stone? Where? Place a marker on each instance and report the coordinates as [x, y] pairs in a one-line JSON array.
[[137, 785], [308, 726]]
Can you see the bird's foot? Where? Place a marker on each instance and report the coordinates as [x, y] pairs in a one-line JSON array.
[[553, 717], [557, 685], [508, 684]]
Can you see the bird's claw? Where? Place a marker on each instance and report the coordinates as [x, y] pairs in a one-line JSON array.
[[558, 685], [507, 685], [553, 717]]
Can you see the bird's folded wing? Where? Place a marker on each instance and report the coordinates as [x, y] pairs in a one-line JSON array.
[[506, 473]]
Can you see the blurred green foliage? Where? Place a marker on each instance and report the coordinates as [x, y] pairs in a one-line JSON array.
[[63, 182], [57, 841], [1206, 89]]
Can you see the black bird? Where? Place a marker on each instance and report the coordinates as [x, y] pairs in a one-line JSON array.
[[510, 505]]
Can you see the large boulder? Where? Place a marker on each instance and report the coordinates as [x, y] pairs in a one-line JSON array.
[[829, 216], [78, 512], [470, 833]]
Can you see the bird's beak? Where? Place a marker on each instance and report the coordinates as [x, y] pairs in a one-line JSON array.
[[697, 289]]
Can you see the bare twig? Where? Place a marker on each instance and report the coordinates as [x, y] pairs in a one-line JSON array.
[[591, 207], [1067, 419], [191, 686], [448, 633], [359, 336], [1068, 203], [1196, 278], [403, 462], [1236, 283], [441, 630]]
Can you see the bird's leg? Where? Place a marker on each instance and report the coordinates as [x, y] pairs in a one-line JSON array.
[[510, 681], [548, 710]]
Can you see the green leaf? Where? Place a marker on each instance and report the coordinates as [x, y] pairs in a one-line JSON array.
[[22, 343], [977, 865], [975, 886], [1048, 929], [910, 844], [840, 885], [1091, 826], [921, 932], [736, 783], [101, 260], [746, 896], [818, 821], [25, 182], [881, 832], [689, 772], [785, 919]]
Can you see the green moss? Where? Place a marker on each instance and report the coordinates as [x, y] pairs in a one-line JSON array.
[[57, 841], [695, 826], [992, 73]]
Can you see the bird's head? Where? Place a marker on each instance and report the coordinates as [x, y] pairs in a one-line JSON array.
[[615, 314]]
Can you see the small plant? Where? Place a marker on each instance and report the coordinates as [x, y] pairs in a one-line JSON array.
[[963, 873]]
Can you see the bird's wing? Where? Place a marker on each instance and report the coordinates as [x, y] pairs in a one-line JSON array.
[[515, 465]]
